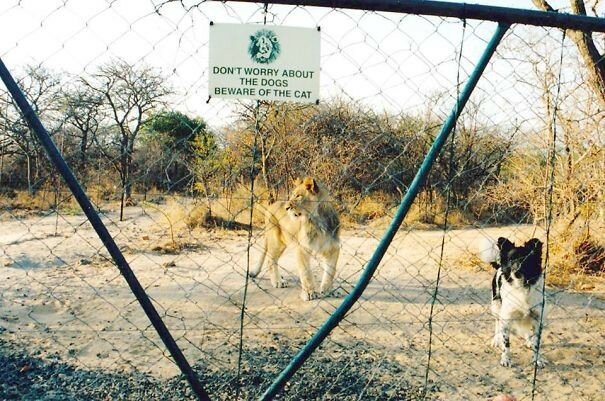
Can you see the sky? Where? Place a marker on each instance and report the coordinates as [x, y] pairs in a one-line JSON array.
[[389, 62]]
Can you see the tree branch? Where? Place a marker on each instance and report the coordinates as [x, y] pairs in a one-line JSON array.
[[593, 60], [543, 5]]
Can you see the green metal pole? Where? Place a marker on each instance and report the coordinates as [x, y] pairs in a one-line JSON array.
[[404, 207], [55, 156]]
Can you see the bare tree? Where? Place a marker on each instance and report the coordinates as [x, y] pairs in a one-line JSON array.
[[83, 113], [41, 87], [128, 94]]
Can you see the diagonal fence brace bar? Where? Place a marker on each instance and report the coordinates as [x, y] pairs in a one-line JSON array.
[[339, 314], [134, 284]]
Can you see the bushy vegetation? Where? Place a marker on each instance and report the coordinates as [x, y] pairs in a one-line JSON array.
[[126, 144]]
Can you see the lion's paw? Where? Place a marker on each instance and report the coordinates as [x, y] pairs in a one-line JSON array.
[[334, 293], [308, 295], [281, 283]]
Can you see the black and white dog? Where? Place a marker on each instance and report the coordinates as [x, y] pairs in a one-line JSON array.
[[517, 296]]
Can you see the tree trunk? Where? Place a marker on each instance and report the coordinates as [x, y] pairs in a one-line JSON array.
[[30, 190], [123, 176], [593, 61], [129, 153], [1, 164], [590, 55], [84, 158]]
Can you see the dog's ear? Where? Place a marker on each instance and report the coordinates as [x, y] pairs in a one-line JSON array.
[[534, 245], [311, 185], [504, 245]]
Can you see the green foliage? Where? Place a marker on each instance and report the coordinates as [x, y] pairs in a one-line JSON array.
[[179, 144], [179, 129], [207, 162]]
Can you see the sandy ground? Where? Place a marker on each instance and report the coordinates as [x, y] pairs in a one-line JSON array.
[[60, 294]]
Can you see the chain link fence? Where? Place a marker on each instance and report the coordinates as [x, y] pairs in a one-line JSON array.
[[182, 181]]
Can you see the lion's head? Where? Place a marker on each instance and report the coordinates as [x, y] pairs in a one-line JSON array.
[[306, 198], [264, 46]]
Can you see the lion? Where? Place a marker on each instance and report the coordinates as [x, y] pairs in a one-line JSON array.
[[309, 222], [264, 46]]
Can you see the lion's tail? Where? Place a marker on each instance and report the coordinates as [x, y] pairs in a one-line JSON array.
[[256, 270]]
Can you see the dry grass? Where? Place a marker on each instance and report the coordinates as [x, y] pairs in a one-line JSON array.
[[41, 200], [23, 202], [427, 212], [101, 192], [369, 209], [577, 253], [228, 213], [470, 262], [198, 216], [234, 207], [576, 258]]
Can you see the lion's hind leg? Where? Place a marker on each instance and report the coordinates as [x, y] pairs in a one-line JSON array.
[[307, 281], [259, 265], [275, 248], [330, 259]]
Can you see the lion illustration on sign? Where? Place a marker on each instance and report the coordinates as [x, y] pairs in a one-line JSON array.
[[264, 46]]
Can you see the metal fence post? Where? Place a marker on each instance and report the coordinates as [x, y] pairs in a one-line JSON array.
[[406, 202], [82, 199]]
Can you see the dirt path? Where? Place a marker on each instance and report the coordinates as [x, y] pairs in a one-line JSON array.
[[61, 295]]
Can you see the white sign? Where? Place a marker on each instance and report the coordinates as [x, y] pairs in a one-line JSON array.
[[264, 62]]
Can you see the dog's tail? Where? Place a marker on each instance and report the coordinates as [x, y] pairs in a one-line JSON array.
[[256, 270], [489, 252]]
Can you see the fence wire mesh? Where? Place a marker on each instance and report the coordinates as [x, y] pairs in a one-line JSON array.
[[183, 181]]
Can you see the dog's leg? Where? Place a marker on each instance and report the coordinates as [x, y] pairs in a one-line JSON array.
[[307, 282], [330, 261], [534, 341], [505, 330], [497, 340], [537, 358]]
